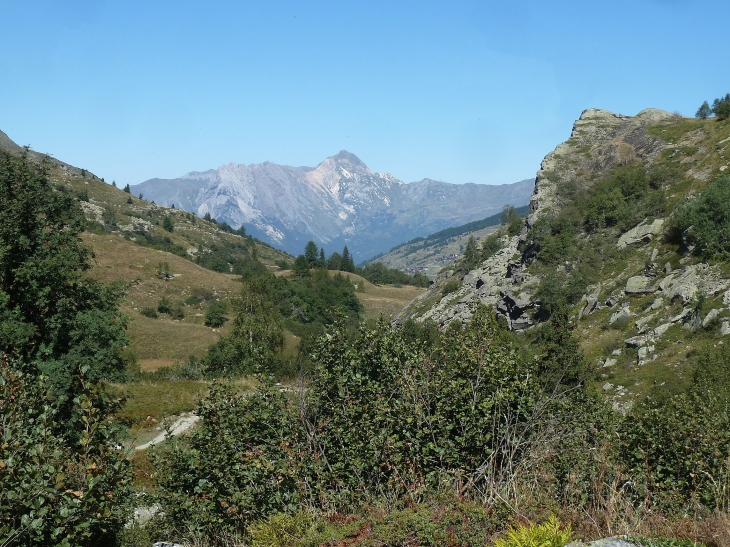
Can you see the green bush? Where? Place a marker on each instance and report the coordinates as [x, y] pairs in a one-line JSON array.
[[452, 285], [705, 221], [215, 313], [164, 305], [55, 493], [149, 312]]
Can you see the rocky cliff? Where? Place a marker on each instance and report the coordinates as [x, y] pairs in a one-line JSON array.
[[646, 297]]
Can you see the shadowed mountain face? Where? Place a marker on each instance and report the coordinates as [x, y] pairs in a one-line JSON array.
[[339, 202]]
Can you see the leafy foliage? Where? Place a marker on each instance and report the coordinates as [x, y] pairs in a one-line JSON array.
[[53, 492], [705, 221], [379, 274], [215, 313], [384, 416], [53, 320], [677, 445], [548, 534]]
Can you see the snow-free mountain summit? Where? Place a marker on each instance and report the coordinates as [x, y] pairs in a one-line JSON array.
[[339, 202]]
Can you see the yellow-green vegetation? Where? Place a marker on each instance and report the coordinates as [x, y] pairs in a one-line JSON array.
[[548, 534]]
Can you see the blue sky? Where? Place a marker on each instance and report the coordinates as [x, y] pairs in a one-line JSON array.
[[457, 91]]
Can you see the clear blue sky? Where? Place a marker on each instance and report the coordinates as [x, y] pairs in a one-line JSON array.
[[458, 91]]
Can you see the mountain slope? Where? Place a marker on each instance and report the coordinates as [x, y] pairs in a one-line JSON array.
[[339, 202], [601, 237], [431, 254]]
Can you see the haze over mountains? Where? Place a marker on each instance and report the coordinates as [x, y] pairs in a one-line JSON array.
[[339, 202]]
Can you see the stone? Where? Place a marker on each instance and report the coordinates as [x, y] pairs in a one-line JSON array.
[[654, 254], [609, 362], [684, 313], [725, 328], [661, 329], [621, 315], [616, 352], [521, 323], [711, 316], [637, 341], [658, 303], [667, 268], [592, 304], [605, 542], [726, 298], [639, 284], [608, 386], [642, 323], [166, 544], [645, 352], [643, 233]]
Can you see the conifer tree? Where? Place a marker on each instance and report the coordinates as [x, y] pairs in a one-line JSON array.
[[311, 253], [347, 263]]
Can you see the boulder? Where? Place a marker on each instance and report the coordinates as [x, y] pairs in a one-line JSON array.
[[725, 328], [711, 316], [621, 316], [661, 329], [726, 298], [592, 304], [521, 323], [684, 313], [643, 233], [609, 362], [645, 353], [637, 341], [639, 284], [605, 542]]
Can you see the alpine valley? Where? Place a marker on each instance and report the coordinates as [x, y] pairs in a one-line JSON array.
[[339, 202]]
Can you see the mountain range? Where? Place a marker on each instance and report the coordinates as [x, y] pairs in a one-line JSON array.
[[339, 202]]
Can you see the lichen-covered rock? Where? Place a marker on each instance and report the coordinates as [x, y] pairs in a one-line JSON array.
[[620, 316], [605, 542], [643, 233], [639, 284], [710, 317]]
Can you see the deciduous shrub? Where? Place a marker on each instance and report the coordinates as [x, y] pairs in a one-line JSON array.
[[705, 221], [53, 493]]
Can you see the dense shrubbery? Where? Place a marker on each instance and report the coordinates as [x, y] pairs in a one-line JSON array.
[[704, 222], [379, 274], [389, 416], [62, 482], [677, 445], [53, 493]]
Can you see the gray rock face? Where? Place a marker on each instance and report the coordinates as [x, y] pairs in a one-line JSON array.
[[605, 542], [710, 317], [620, 316], [488, 285], [689, 282], [339, 202], [643, 233], [639, 284]]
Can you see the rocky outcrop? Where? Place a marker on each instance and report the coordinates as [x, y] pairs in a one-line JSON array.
[[599, 140], [491, 284], [643, 233]]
